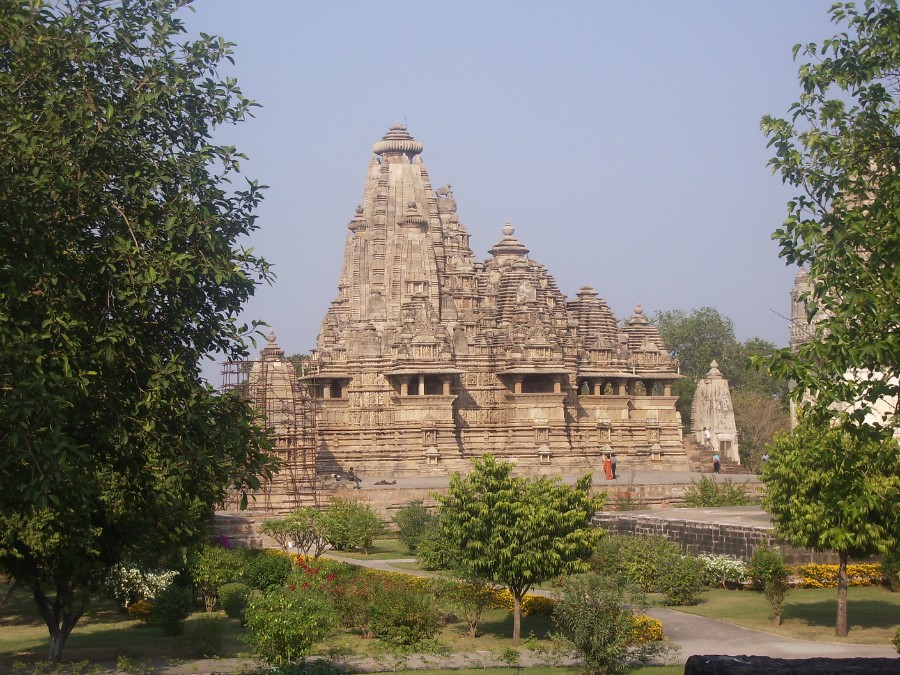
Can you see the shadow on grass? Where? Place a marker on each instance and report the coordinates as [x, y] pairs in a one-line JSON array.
[[503, 627], [863, 613]]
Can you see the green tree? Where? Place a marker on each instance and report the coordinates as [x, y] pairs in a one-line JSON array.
[[696, 339], [213, 567], [758, 418], [303, 528], [828, 491], [120, 268], [840, 149], [518, 532], [412, 522], [704, 335], [347, 524]]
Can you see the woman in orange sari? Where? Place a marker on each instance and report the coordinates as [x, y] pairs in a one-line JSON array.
[[607, 467]]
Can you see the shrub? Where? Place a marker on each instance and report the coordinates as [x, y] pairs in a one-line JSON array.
[[595, 619], [721, 570], [412, 521], [471, 598], [233, 597], [769, 574], [268, 569], [433, 550], [213, 567], [896, 640], [890, 568], [538, 605], [205, 637], [639, 561], [347, 524], [814, 575], [171, 607], [403, 617], [646, 629], [710, 493], [283, 625], [127, 583], [141, 610], [681, 580]]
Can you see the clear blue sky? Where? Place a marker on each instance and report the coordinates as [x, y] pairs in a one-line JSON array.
[[621, 139]]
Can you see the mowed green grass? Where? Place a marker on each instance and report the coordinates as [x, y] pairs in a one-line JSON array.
[[382, 549], [809, 613]]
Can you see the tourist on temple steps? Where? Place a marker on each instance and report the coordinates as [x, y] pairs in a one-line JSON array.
[[717, 464], [351, 476], [607, 468]]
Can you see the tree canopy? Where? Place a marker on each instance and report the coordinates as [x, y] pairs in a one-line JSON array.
[[840, 148], [120, 268], [827, 491], [518, 532], [704, 334], [835, 482]]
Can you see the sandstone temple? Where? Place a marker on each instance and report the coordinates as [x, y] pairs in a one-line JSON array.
[[428, 358]]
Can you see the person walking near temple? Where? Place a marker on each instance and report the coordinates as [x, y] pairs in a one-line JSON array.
[[717, 463], [607, 468], [613, 463]]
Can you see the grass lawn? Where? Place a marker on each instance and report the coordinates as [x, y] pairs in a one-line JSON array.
[[382, 549], [104, 633], [809, 613]]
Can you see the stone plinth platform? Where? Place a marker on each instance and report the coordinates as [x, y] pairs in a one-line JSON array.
[[655, 490]]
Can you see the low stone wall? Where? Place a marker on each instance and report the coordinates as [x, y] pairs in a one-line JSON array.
[[710, 531]]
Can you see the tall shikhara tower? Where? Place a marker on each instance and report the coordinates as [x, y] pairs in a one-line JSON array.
[[428, 358]]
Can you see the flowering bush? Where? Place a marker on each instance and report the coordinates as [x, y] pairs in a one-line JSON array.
[[645, 629], [537, 605], [826, 576], [723, 570], [141, 610], [126, 583]]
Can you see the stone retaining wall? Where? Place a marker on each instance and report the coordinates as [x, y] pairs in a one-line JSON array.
[[710, 538]]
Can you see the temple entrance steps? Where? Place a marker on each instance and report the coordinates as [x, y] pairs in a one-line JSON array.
[[700, 458]]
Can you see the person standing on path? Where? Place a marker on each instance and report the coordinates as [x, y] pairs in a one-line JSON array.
[[607, 467], [717, 463], [613, 462]]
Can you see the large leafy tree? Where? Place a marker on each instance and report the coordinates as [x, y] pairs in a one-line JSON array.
[[840, 149], [834, 483], [828, 491], [703, 335], [518, 532], [120, 268]]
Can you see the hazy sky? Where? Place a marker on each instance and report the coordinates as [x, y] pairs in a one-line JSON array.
[[621, 139]]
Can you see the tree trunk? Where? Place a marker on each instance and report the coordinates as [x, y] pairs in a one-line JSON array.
[[517, 617], [59, 622], [841, 629]]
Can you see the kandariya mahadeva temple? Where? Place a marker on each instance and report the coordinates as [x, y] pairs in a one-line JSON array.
[[428, 358]]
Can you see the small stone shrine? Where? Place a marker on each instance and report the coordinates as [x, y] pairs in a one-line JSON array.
[[712, 409], [429, 358]]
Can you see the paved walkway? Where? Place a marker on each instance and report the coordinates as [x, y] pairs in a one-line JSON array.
[[625, 476]]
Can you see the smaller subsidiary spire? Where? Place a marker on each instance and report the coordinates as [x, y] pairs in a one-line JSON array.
[[272, 351], [397, 141], [509, 245]]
